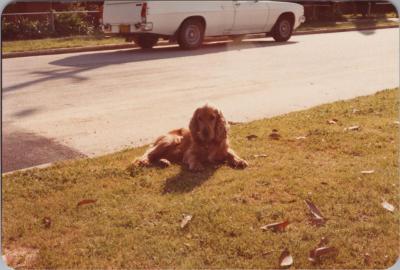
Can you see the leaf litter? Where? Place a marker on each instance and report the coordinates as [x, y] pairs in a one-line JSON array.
[[275, 135], [285, 260], [276, 227], [317, 218], [388, 206], [186, 219], [85, 202]]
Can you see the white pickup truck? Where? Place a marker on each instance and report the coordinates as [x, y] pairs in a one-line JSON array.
[[188, 22]]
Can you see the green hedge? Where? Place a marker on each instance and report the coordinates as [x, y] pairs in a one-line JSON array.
[[66, 24]]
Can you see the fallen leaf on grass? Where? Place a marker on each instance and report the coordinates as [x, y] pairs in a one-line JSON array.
[[276, 227], [355, 110], [396, 122], [185, 220], [317, 253], [388, 206], [367, 259], [332, 121], [274, 135], [84, 202], [285, 260], [251, 137], [46, 222], [367, 172], [316, 217], [260, 156], [301, 138], [352, 128], [268, 252]]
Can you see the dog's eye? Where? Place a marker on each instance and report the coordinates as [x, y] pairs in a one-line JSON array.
[[212, 117]]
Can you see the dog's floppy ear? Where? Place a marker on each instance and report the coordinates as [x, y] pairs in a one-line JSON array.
[[193, 126], [221, 127]]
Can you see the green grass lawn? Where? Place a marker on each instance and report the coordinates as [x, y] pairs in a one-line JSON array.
[[54, 43], [84, 41], [135, 219], [351, 24]]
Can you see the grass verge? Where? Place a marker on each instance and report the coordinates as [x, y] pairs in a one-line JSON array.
[[350, 24], [55, 43], [85, 41], [134, 218]]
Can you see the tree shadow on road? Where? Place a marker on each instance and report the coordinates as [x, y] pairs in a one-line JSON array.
[[83, 62], [102, 59]]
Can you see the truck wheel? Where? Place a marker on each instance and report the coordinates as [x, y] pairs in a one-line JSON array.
[[146, 41], [283, 29], [191, 34]]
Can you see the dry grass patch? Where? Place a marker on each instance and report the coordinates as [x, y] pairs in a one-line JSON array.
[[135, 219]]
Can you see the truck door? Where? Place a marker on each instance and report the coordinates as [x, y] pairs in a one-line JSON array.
[[250, 16]]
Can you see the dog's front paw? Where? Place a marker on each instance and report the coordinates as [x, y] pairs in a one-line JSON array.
[[143, 162], [240, 164], [196, 167]]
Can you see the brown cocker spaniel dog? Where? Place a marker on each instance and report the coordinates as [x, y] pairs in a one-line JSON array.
[[205, 143]]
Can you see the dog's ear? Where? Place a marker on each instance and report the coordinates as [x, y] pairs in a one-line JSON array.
[[221, 128], [194, 126]]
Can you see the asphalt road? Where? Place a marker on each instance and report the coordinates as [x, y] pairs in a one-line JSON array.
[[100, 102]]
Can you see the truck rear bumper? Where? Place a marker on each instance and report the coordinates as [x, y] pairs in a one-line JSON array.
[[127, 28]]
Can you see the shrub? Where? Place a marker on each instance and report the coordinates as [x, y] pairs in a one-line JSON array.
[[71, 24], [65, 24], [24, 28]]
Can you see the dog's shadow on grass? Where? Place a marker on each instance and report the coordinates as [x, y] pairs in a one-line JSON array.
[[186, 181]]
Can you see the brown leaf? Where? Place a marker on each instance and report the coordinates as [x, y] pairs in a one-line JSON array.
[[367, 259], [352, 128], [46, 222], [332, 121], [84, 202], [323, 242], [367, 172], [317, 253], [251, 137], [388, 206], [301, 138], [274, 135], [276, 227], [185, 220], [316, 217], [260, 156], [285, 260], [396, 122]]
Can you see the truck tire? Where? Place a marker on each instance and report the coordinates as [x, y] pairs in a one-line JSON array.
[[283, 29], [146, 41], [191, 34]]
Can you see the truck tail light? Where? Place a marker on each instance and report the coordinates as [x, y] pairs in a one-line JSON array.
[[143, 13]]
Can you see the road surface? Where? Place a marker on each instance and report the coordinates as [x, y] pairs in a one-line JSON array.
[[100, 102]]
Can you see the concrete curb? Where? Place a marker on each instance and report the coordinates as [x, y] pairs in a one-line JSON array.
[[127, 46], [313, 32], [41, 166]]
